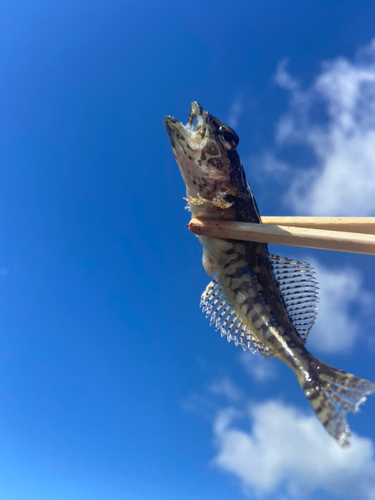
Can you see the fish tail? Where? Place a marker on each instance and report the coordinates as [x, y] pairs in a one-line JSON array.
[[333, 393]]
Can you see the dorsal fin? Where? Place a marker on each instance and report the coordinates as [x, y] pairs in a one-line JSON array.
[[298, 286], [215, 305]]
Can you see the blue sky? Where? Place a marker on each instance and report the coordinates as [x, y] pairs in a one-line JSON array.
[[113, 385]]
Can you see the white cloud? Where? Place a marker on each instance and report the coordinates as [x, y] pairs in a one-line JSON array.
[[268, 163], [336, 327], [235, 112], [273, 165], [260, 369], [286, 450], [283, 78], [225, 387], [206, 402], [342, 181]]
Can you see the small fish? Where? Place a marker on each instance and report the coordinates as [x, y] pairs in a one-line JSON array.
[[263, 302]]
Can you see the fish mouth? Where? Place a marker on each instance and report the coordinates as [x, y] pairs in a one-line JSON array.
[[197, 117], [193, 131]]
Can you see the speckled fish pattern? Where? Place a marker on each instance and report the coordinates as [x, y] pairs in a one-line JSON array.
[[262, 302]]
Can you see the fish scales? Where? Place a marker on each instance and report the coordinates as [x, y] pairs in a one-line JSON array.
[[249, 284], [263, 302]]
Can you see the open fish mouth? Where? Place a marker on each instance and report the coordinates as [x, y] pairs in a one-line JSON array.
[[195, 129], [197, 117], [189, 143]]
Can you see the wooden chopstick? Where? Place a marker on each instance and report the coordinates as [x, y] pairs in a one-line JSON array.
[[339, 241], [364, 225]]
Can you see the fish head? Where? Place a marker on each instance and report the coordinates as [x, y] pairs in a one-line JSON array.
[[205, 151]]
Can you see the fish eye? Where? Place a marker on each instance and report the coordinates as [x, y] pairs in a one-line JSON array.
[[228, 137]]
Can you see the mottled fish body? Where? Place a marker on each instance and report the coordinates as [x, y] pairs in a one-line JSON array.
[[262, 302]]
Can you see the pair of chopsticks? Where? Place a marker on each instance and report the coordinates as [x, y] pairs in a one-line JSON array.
[[341, 234]]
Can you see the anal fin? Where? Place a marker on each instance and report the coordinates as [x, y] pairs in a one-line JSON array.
[[217, 308]]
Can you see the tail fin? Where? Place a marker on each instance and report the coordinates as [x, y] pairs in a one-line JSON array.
[[333, 393]]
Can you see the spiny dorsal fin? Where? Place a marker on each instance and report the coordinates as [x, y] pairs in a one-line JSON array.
[[216, 306], [298, 286]]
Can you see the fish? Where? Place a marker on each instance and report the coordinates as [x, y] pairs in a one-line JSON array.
[[262, 302]]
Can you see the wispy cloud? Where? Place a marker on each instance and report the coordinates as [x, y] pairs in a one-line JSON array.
[[221, 390], [341, 292], [335, 117], [286, 450], [225, 387], [267, 163], [258, 368], [283, 77], [235, 112]]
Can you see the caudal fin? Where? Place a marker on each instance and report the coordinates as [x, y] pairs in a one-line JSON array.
[[333, 393]]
